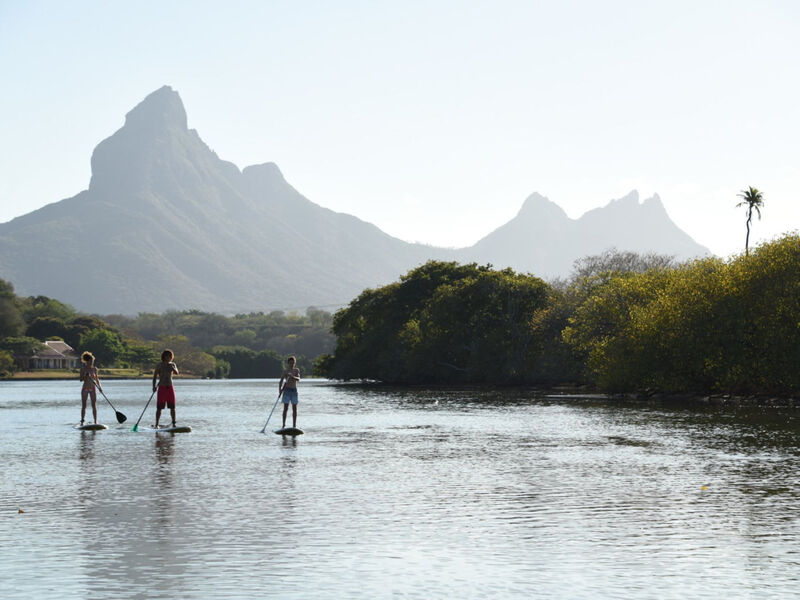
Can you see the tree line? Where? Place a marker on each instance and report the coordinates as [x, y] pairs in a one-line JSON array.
[[206, 344], [622, 322]]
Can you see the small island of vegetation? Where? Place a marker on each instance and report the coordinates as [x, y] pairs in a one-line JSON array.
[[622, 323]]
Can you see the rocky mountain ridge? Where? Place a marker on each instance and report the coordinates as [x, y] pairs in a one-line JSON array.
[[165, 223]]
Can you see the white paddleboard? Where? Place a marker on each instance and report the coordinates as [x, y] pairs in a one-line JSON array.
[[289, 431], [91, 427], [183, 429]]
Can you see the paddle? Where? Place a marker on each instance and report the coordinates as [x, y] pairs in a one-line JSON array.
[[136, 427], [273, 410], [120, 417]]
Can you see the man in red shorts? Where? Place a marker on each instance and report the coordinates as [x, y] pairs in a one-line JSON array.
[[166, 392]]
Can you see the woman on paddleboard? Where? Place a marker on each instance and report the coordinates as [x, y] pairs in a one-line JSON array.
[[166, 392], [91, 383], [288, 387]]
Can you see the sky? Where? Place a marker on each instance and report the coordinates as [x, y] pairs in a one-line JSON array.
[[434, 120]]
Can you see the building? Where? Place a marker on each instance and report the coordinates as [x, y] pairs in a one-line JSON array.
[[55, 355]]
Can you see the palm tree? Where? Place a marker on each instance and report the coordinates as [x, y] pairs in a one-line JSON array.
[[751, 198]]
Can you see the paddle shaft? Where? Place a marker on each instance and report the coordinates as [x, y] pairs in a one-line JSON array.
[[272, 411], [120, 417], [136, 427]]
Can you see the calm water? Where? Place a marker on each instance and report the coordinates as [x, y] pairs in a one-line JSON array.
[[407, 494]]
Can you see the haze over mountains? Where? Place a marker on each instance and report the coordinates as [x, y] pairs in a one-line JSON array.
[[166, 223], [543, 240]]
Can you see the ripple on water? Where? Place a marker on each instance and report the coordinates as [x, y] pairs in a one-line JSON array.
[[404, 493]]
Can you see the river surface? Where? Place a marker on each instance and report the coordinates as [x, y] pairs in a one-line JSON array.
[[395, 494]]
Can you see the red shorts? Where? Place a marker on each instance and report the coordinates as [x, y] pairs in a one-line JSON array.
[[166, 397]]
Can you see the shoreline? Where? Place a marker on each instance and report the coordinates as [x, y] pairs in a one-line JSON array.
[[60, 376], [578, 390], [565, 390]]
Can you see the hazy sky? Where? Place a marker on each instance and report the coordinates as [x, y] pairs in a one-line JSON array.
[[434, 120]]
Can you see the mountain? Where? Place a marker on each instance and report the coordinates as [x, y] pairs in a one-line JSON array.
[[543, 240], [166, 223]]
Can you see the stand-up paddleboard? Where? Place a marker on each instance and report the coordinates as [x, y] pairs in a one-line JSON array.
[[289, 431], [91, 427], [183, 429]]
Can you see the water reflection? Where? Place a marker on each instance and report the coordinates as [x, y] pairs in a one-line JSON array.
[[86, 444], [408, 493], [165, 447], [289, 441], [163, 476]]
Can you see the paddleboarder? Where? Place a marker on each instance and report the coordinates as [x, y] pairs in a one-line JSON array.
[[91, 383], [166, 392], [288, 387]]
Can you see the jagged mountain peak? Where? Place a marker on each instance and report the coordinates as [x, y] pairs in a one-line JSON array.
[[654, 202], [631, 204], [627, 204], [538, 206], [154, 140], [628, 200], [161, 109], [169, 224]]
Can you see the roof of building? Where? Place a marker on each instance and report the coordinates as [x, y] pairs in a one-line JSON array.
[[56, 349], [61, 346]]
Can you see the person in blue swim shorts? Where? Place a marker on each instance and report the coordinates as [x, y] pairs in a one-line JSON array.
[[288, 387]]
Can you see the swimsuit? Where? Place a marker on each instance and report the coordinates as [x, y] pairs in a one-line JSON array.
[[166, 393], [290, 395], [88, 379], [166, 397]]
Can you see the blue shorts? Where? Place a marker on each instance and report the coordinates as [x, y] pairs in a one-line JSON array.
[[290, 395]]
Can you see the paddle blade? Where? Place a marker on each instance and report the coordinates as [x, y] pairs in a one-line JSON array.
[[121, 418], [135, 428]]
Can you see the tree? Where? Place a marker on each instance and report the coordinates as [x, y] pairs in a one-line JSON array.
[[245, 363], [198, 363], [619, 261], [43, 328], [6, 364], [753, 199], [21, 345], [443, 322], [11, 322], [139, 355], [42, 306], [221, 370], [80, 326], [104, 344]]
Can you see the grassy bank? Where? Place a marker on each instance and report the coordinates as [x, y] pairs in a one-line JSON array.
[[47, 374]]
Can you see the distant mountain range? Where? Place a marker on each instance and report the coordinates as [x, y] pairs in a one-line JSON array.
[[543, 240], [167, 224]]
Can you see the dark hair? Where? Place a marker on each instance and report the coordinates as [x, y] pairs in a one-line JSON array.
[[167, 355], [291, 358], [87, 357]]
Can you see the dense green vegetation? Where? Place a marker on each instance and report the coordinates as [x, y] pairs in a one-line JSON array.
[[207, 344], [623, 322], [706, 326], [443, 322]]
